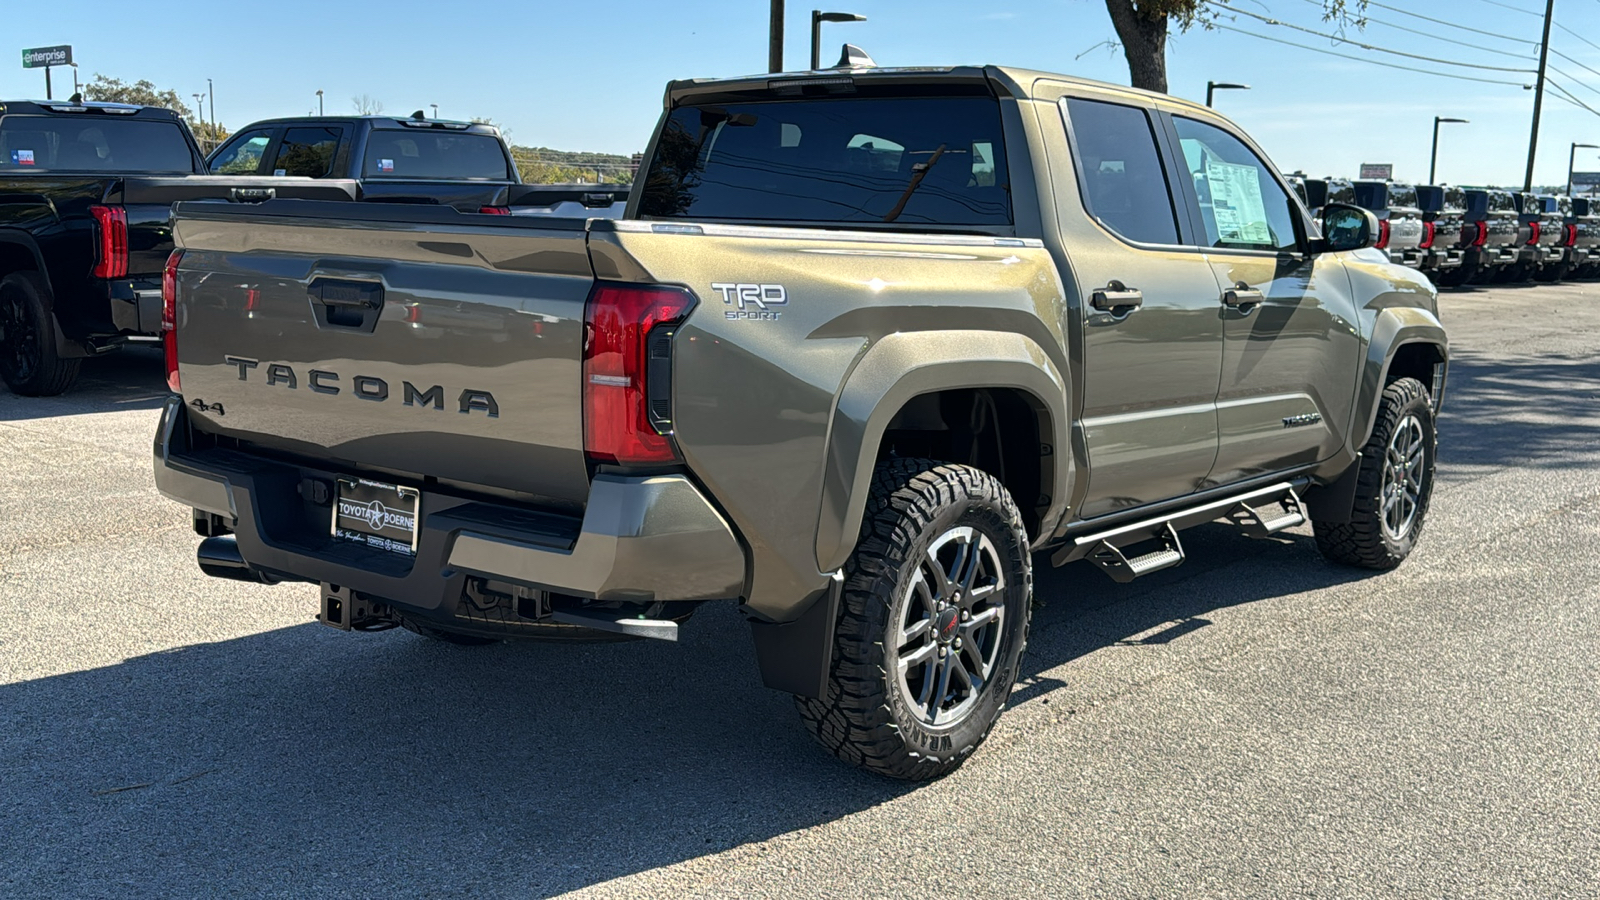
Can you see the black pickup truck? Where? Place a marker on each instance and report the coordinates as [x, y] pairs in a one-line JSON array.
[[86, 192], [382, 159]]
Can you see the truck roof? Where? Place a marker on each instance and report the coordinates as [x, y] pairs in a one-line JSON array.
[[69, 107], [1020, 82], [382, 122]]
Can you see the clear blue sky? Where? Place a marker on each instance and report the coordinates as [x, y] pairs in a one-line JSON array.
[[589, 76]]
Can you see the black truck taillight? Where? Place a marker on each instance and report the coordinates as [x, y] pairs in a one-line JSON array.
[[169, 317], [112, 261], [627, 371]]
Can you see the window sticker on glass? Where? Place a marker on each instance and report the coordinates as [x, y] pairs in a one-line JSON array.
[[280, 172], [385, 165], [22, 157], [1236, 203]]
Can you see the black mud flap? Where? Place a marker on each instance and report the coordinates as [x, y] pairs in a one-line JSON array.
[[795, 657], [1334, 502]]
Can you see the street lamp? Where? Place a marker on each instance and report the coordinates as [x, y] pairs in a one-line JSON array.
[[199, 109], [1433, 161], [1572, 161], [817, 18], [1213, 86], [435, 109], [211, 95], [319, 103]]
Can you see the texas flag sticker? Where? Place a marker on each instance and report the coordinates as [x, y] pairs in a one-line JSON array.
[[22, 157], [385, 165]]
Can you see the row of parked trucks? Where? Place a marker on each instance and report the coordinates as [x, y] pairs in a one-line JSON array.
[[1463, 236]]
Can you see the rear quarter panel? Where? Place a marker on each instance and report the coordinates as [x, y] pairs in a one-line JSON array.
[[758, 409]]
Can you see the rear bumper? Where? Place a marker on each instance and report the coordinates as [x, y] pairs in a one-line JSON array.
[[641, 539]]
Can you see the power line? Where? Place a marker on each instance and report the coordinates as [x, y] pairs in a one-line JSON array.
[[1365, 59], [1574, 62], [1344, 40], [1407, 12], [1577, 35], [1526, 12], [1566, 95], [1427, 34], [1575, 80]]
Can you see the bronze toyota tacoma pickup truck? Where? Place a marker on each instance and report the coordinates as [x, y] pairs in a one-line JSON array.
[[865, 343]]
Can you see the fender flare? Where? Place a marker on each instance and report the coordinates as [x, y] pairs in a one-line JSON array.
[[25, 241], [908, 364], [1394, 328]]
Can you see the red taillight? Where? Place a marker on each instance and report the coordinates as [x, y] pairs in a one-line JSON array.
[[1383, 235], [1428, 231], [169, 317], [113, 227], [617, 363], [1572, 237], [494, 210], [1533, 235], [1482, 237]]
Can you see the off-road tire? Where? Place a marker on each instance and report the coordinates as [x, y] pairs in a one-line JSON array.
[[446, 637], [28, 361], [1364, 541], [863, 717]]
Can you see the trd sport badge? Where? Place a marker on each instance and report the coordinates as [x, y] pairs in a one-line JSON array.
[[751, 301]]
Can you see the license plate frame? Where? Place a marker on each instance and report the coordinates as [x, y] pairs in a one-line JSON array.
[[377, 514]]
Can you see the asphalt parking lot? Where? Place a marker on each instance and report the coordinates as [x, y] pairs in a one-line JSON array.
[[1253, 723]]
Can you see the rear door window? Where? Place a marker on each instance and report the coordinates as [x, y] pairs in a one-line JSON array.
[[307, 151], [91, 142], [242, 156], [1119, 167], [897, 160]]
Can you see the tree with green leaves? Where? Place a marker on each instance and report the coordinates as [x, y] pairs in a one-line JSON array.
[[1143, 25], [140, 93]]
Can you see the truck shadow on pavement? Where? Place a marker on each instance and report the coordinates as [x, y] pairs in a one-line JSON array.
[[302, 761], [129, 378]]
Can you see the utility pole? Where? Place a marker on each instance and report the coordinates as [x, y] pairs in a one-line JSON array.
[[211, 97], [775, 38], [1538, 92]]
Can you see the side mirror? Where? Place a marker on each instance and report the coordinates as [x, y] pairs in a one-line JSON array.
[[1346, 227]]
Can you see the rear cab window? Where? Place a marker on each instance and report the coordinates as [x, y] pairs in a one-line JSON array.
[[90, 142], [434, 154], [914, 161]]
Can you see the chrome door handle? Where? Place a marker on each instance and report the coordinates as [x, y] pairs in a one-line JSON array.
[[1117, 296], [1242, 295]]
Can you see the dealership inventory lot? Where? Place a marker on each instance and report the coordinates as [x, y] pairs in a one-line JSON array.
[[1254, 722]]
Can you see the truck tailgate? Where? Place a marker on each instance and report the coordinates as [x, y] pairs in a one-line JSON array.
[[413, 341]]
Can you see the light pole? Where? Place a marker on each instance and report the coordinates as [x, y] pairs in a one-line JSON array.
[[817, 18], [319, 103], [211, 96], [1213, 86], [1433, 160], [199, 109], [75, 88], [1572, 161], [435, 109]]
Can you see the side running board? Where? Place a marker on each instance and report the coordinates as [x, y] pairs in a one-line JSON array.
[[1243, 511]]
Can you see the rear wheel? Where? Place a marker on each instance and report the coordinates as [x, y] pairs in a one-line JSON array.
[[28, 361], [932, 624], [1393, 487]]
